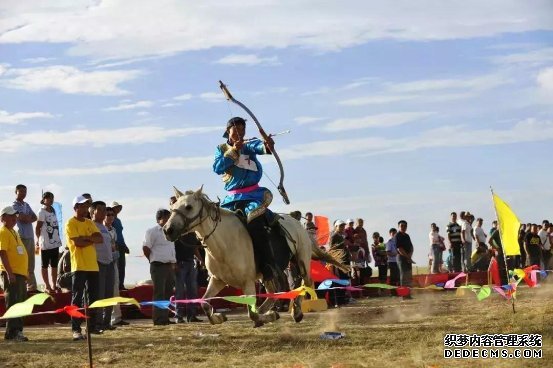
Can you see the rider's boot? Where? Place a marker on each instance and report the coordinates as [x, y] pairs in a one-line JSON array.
[[261, 247]]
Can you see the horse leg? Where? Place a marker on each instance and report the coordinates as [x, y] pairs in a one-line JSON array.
[[295, 308], [302, 268], [258, 318], [278, 284], [213, 288]]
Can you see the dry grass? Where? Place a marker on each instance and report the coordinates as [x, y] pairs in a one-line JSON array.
[[380, 332]]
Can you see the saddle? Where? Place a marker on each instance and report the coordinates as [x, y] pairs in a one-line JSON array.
[[276, 235]]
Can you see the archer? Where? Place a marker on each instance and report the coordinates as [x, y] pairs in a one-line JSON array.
[[236, 160]]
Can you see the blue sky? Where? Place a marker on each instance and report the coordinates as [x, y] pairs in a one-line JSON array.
[[398, 110]]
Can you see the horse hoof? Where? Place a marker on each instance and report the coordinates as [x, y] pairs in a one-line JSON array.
[[298, 318], [257, 324], [218, 318]]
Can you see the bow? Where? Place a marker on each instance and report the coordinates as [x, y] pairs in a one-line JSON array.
[[265, 137]]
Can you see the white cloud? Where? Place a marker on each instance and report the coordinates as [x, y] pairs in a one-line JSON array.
[[485, 82], [3, 69], [212, 96], [183, 97], [247, 59], [68, 79], [301, 120], [318, 91], [153, 165], [96, 29], [419, 97], [99, 65], [357, 83], [18, 117], [430, 90], [376, 99], [97, 138], [142, 208], [171, 104], [349, 86], [529, 58], [271, 90], [38, 60], [131, 106], [375, 121], [545, 79], [529, 130]]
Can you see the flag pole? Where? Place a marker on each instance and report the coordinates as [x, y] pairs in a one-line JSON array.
[[503, 249]]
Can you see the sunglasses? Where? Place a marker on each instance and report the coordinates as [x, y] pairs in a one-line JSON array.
[[110, 214]]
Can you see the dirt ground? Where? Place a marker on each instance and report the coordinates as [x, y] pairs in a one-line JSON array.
[[379, 332]]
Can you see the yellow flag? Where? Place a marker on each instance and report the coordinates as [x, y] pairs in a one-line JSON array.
[[508, 227], [102, 303]]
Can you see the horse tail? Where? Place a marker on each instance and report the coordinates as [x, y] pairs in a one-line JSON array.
[[333, 257]]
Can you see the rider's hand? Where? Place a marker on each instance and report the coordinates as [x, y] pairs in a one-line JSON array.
[[269, 143], [238, 145]]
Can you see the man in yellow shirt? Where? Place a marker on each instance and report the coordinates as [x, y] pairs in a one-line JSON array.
[[81, 235], [14, 270]]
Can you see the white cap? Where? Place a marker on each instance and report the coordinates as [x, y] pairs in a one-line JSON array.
[[339, 222], [79, 199], [349, 221], [8, 211], [115, 204]]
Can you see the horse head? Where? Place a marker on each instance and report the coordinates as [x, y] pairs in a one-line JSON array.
[[186, 213]]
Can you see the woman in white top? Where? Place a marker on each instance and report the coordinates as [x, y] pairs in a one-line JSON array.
[[48, 241]]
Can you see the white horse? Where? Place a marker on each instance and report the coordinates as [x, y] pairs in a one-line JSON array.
[[229, 252]]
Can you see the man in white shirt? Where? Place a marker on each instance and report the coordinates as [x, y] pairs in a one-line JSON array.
[[479, 233], [161, 254], [466, 238], [545, 239]]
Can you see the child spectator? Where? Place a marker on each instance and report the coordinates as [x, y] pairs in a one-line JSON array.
[[48, 240], [380, 257]]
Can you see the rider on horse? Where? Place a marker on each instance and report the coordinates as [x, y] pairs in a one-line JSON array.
[[236, 160]]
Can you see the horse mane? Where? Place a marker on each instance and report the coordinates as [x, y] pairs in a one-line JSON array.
[[210, 204]]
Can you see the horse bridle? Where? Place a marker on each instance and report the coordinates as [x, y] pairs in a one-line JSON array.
[[188, 221]]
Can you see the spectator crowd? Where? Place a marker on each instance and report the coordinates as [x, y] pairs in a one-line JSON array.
[[469, 248], [92, 265]]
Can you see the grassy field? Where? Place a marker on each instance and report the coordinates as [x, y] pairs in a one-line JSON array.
[[380, 332]]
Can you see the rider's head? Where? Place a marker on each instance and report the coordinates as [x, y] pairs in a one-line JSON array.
[[236, 128]]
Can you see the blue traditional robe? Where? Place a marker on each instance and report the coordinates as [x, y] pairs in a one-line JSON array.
[[241, 170]]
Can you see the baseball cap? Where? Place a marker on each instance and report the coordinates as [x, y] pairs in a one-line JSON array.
[[79, 199], [46, 195], [339, 222], [115, 204], [232, 122], [9, 210], [350, 221]]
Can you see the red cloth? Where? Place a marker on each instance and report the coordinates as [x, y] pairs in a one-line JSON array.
[[319, 273], [494, 271], [403, 291], [323, 229]]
